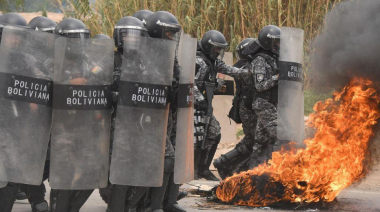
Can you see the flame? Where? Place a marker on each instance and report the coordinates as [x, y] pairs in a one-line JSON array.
[[331, 161]]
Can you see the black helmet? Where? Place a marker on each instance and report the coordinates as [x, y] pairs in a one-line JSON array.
[[241, 46], [127, 29], [269, 38], [72, 28], [213, 43], [11, 19], [42, 23], [101, 36], [164, 25], [143, 15]]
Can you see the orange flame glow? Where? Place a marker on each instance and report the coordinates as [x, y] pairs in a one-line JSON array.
[[331, 161]]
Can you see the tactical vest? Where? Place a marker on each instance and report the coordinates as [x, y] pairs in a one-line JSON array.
[[271, 95], [210, 75]]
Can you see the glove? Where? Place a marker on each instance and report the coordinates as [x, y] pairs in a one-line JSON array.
[[219, 63], [275, 77], [201, 105]]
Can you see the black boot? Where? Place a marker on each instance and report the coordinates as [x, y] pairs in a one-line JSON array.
[[205, 172], [36, 197], [79, 199], [117, 198], [59, 200], [21, 195], [40, 207], [199, 160], [8, 196], [157, 194], [134, 196], [228, 162], [181, 195], [171, 204]]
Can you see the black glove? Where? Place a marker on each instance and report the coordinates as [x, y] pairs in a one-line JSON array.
[[219, 63], [201, 105]]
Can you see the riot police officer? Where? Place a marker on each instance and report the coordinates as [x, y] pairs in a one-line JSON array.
[[236, 160], [164, 25], [70, 200], [36, 194], [208, 63], [8, 194], [264, 67], [126, 35]]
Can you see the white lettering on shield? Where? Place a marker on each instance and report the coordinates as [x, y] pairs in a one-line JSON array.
[[87, 97], [150, 95], [29, 89], [295, 72]]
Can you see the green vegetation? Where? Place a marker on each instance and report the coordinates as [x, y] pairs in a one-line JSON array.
[[312, 97], [236, 19], [239, 133]]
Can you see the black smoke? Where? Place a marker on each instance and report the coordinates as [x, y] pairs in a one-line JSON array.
[[349, 44]]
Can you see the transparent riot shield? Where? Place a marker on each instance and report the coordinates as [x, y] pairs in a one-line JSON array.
[[26, 65], [184, 148], [291, 125], [81, 113], [142, 113]]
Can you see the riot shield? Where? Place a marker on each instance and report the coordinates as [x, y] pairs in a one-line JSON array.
[[291, 125], [80, 134], [184, 148], [25, 103], [142, 113]]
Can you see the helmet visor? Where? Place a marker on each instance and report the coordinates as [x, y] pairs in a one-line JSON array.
[[130, 38], [217, 52], [276, 45], [81, 35]]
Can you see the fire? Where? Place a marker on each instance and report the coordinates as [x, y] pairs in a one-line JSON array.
[[331, 161]]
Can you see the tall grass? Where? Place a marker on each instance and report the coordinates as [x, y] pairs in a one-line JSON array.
[[236, 19]]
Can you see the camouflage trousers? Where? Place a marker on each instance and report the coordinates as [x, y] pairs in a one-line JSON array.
[[266, 128], [249, 122], [266, 132]]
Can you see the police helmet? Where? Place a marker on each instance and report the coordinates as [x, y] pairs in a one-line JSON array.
[[42, 23], [241, 46], [12, 19], [214, 44], [128, 29], [269, 38], [164, 25], [72, 28], [143, 15]]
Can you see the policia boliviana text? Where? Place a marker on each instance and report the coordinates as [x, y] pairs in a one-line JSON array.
[[115, 114]]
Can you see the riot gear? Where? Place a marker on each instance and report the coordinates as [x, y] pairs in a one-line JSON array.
[[101, 36], [143, 15], [42, 23], [213, 44], [291, 123], [11, 19], [164, 25], [241, 46], [127, 30], [269, 38], [72, 28]]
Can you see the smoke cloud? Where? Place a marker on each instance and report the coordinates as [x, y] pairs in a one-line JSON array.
[[349, 44]]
